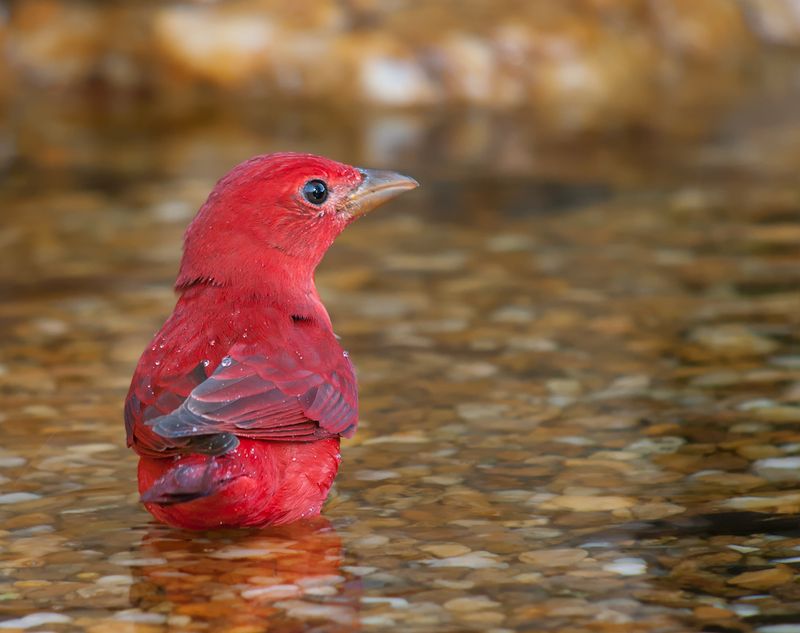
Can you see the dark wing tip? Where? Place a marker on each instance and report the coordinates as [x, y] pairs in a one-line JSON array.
[[217, 444], [182, 431], [185, 483]]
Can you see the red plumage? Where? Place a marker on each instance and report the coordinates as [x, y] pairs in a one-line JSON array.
[[237, 406]]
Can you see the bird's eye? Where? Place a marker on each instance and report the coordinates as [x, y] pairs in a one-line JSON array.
[[315, 191]]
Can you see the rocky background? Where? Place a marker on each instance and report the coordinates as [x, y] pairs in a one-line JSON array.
[[580, 64]]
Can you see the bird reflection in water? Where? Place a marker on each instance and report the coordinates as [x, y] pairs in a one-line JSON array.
[[286, 579]]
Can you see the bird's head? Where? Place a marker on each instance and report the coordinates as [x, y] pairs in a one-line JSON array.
[[275, 216]]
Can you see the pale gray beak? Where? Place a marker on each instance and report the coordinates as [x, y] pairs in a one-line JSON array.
[[376, 188]]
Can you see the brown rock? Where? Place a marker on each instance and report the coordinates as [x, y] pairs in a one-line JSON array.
[[712, 613], [445, 550], [554, 557], [778, 415], [470, 603], [737, 482], [764, 578], [733, 341], [589, 503]]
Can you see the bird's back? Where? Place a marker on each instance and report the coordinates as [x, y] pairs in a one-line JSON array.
[[261, 481]]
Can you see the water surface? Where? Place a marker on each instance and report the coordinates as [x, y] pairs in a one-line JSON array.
[[569, 349]]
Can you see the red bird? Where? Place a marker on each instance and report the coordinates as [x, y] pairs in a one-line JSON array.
[[237, 405]]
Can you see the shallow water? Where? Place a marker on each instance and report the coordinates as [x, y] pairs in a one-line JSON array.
[[570, 350]]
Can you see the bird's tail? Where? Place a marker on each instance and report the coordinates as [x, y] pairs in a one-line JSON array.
[[186, 482]]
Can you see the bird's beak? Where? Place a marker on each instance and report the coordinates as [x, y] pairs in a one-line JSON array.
[[376, 188]]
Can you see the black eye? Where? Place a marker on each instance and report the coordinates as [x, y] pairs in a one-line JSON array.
[[315, 191]]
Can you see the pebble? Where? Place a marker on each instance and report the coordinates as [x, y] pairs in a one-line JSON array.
[[470, 603], [749, 427], [320, 581], [779, 415], [378, 621], [758, 403], [778, 469], [35, 619], [764, 578], [627, 566], [732, 481], [554, 557], [473, 560], [312, 611], [789, 560], [321, 591], [31, 584], [762, 503], [664, 445], [231, 553], [454, 584], [376, 540], [41, 411], [273, 592], [532, 344], [479, 411], [179, 621], [529, 578], [509, 242], [124, 559], [11, 461], [743, 549], [588, 503], [758, 451], [139, 617], [18, 497], [513, 314], [712, 613], [746, 610], [446, 550], [115, 579], [717, 379], [411, 437], [394, 603], [375, 475], [733, 340], [359, 570], [443, 480], [575, 440], [652, 511], [482, 618]]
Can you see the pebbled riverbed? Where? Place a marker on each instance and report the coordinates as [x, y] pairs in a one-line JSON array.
[[570, 351]]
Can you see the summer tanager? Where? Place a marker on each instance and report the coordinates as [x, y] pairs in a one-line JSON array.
[[237, 405]]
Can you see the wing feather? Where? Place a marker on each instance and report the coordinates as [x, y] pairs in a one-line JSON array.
[[276, 397]]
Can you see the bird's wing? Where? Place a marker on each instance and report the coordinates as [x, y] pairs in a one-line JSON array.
[[280, 396]]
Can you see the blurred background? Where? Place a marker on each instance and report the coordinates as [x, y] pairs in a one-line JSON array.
[[498, 86], [587, 315], [530, 105]]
